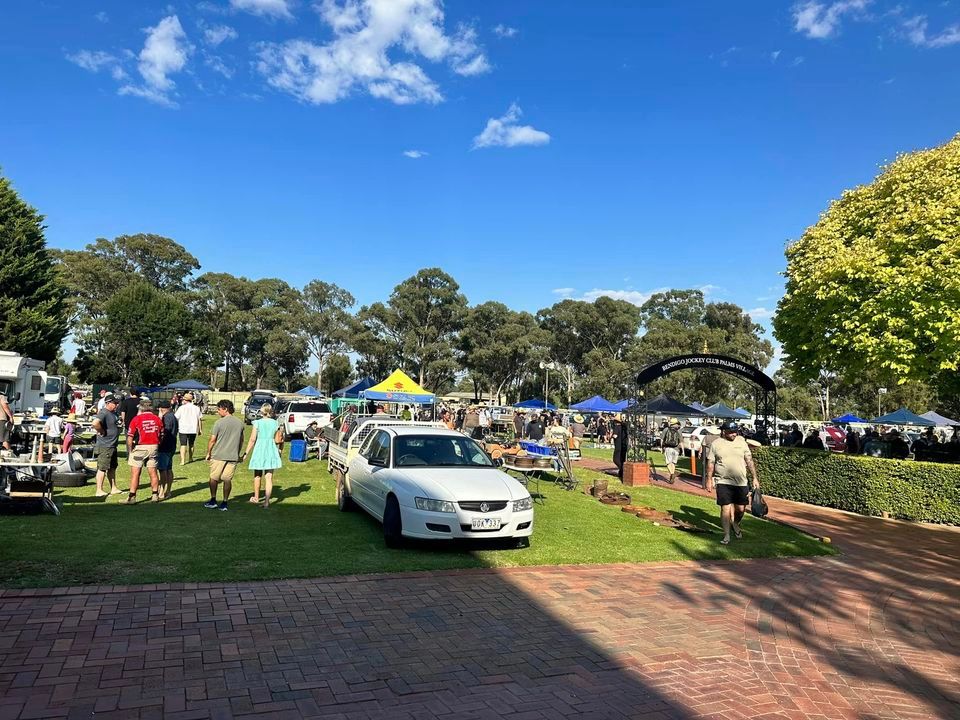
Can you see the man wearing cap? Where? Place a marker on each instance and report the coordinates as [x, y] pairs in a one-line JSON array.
[[107, 427], [143, 438], [671, 448], [167, 447], [190, 420], [728, 460]]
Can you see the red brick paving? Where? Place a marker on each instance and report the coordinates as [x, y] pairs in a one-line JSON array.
[[873, 633]]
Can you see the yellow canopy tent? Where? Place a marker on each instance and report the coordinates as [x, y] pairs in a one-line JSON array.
[[399, 388]]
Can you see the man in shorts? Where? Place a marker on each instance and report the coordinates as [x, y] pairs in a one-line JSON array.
[[167, 447], [107, 428], [671, 448], [190, 420], [728, 460], [223, 453], [143, 438]]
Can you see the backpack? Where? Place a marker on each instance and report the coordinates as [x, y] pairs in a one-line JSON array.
[[671, 438]]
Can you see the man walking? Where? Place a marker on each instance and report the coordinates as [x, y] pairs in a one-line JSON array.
[[143, 439], [728, 460], [223, 453], [167, 447], [671, 448], [190, 420], [621, 443], [108, 432]]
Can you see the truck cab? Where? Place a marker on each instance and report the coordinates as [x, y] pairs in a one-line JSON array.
[[23, 381]]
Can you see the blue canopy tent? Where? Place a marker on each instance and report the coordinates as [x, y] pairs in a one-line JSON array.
[[848, 418], [187, 385], [595, 404], [719, 410], [743, 412], [309, 391], [903, 417], [698, 406], [353, 390], [624, 404], [938, 418], [535, 404]]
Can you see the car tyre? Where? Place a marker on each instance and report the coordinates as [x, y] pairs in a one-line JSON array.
[[344, 501], [392, 524], [70, 479]]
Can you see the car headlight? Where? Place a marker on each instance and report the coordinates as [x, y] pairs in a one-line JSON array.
[[434, 505], [521, 505]]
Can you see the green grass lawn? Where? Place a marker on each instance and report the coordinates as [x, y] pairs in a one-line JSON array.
[[304, 535]]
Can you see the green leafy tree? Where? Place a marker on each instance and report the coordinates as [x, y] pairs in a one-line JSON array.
[[873, 288], [338, 372], [144, 331], [33, 318], [417, 328], [500, 345], [326, 322]]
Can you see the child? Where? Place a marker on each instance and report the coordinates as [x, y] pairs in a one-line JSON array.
[[68, 430], [52, 429]]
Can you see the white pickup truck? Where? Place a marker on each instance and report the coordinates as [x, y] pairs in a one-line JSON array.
[[343, 450]]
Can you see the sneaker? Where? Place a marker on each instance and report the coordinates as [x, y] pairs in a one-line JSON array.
[[223, 507], [131, 499], [211, 504]]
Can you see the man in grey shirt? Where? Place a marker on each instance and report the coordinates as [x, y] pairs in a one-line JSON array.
[[223, 453], [107, 428]]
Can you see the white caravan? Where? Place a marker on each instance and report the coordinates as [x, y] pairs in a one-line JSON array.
[[23, 381]]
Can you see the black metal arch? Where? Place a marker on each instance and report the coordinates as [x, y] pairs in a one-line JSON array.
[[766, 394]]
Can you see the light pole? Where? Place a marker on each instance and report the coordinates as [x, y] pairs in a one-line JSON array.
[[548, 366], [880, 392]]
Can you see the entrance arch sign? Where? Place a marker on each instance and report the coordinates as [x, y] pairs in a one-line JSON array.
[[721, 363], [765, 417]]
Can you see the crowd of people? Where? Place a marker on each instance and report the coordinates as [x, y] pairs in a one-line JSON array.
[[881, 441], [152, 439]]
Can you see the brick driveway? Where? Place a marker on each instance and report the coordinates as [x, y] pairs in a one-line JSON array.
[[874, 633]]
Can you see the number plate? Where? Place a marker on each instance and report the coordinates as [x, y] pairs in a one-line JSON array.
[[485, 523]]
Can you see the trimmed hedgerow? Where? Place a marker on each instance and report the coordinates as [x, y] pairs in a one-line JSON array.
[[922, 491]]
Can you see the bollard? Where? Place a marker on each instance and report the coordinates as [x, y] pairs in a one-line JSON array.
[[693, 462]]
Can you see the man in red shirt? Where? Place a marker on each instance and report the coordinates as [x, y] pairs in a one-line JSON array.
[[143, 437]]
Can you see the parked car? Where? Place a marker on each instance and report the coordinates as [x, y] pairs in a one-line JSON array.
[[692, 438], [433, 483], [252, 405], [295, 415]]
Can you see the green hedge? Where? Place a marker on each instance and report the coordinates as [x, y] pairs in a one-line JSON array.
[[923, 491]]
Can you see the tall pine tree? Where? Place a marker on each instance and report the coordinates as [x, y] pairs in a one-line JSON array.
[[33, 318]]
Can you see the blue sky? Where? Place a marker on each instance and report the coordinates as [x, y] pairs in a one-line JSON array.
[[562, 148]]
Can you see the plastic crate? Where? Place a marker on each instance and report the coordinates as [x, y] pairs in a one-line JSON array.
[[298, 451], [532, 448]]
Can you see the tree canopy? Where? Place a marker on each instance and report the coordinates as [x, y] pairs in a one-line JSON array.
[[33, 318]]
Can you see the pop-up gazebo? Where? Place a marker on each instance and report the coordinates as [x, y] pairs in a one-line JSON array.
[[399, 388], [903, 417], [595, 404], [721, 410]]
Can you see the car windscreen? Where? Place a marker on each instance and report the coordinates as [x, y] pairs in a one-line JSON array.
[[53, 386], [438, 451], [308, 408]]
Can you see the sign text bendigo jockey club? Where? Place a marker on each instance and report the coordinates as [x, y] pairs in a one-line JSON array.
[[701, 361]]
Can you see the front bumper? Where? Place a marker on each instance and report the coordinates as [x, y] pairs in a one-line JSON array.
[[427, 525]]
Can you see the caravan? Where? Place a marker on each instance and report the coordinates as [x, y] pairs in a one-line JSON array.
[[23, 381]]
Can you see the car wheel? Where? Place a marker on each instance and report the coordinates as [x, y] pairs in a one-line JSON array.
[[344, 501], [392, 524], [523, 542], [70, 479]]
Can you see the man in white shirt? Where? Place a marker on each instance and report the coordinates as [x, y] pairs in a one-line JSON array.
[[102, 403], [79, 406], [190, 421]]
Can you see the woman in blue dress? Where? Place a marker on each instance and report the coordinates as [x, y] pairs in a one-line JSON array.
[[266, 441]]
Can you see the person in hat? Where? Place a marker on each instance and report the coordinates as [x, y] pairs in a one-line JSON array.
[[728, 461], [143, 438], [106, 425], [52, 430], [577, 430], [670, 442], [69, 428], [190, 421]]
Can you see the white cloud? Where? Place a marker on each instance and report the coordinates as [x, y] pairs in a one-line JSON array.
[[265, 8], [365, 32], [97, 60], [504, 31], [164, 53], [635, 297], [564, 292], [916, 31], [219, 34], [102, 17], [506, 132], [775, 55], [760, 313], [797, 61], [820, 20], [415, 154], [217, 64]]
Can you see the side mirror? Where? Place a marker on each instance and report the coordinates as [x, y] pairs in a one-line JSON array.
[[376, 461]]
